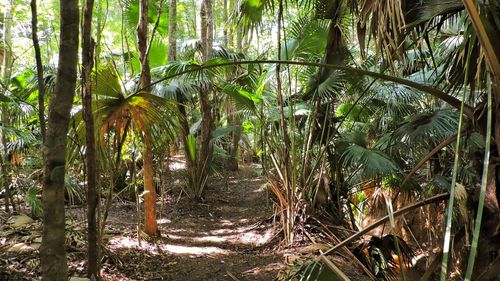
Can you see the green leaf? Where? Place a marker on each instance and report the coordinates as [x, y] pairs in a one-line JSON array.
[[191, 141]]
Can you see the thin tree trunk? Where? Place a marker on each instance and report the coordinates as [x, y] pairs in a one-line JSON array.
[[183, 118], [210, 28], [206, 109], [119, 141], [231, 28], [53, 250], [226, 26], [195, 22], [232, 163], [39, 69], [172, 31], [150, 225], [6, 72], [90, 151], [203, 30]]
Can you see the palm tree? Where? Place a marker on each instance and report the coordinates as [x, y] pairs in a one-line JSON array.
[[120, 111], [150, 226]]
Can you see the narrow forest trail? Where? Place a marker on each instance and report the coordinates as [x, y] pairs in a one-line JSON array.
[[228, 236], [225, 237]]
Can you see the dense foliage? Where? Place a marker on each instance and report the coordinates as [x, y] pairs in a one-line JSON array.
[[354, 109]]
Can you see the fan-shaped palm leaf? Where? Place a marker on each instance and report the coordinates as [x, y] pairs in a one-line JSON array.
[[369, 163], [427, 128]]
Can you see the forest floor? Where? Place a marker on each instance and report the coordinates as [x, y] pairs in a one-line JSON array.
[[227, 236], [230, 235]]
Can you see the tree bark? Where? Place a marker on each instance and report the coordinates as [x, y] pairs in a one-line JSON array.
[[210, 28], [150, 225], [205, 156], [90, 151], [6, 72], [232, 162], [226, 26], [172, 31], [39, 69], [53, 250]]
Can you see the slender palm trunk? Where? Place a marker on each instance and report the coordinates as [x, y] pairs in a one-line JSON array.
[[226, 26], [90, 151], [6, 72], [172, 31], [53, 250], [232, 163], [39, 69], [150, 225], [183, 118], [205, 156]]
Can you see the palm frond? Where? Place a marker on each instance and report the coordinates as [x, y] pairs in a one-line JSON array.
[[368, 163], [251, 13], [427, 128], [243, 99]]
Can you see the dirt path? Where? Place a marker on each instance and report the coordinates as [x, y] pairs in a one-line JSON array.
[[226, 237]]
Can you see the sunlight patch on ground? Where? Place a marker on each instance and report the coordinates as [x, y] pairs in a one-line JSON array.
[[226, 223], [246, 235], [223, 231], [176, 166], [242, 235], [216, 239], [256, 238], [177, 249], [258, 190], [123, 242], [182, 231], [131, 243], [163, 221]]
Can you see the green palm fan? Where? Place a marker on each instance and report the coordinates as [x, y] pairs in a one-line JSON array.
[[117, 110]]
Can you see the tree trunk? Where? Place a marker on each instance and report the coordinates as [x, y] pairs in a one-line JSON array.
[[232, 163], [205, 156], [53, 250], [6, 72], [226, 26], [150, 225], [183, 118], [39, 69], [172, 31], [90, 151], [210, 28]]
